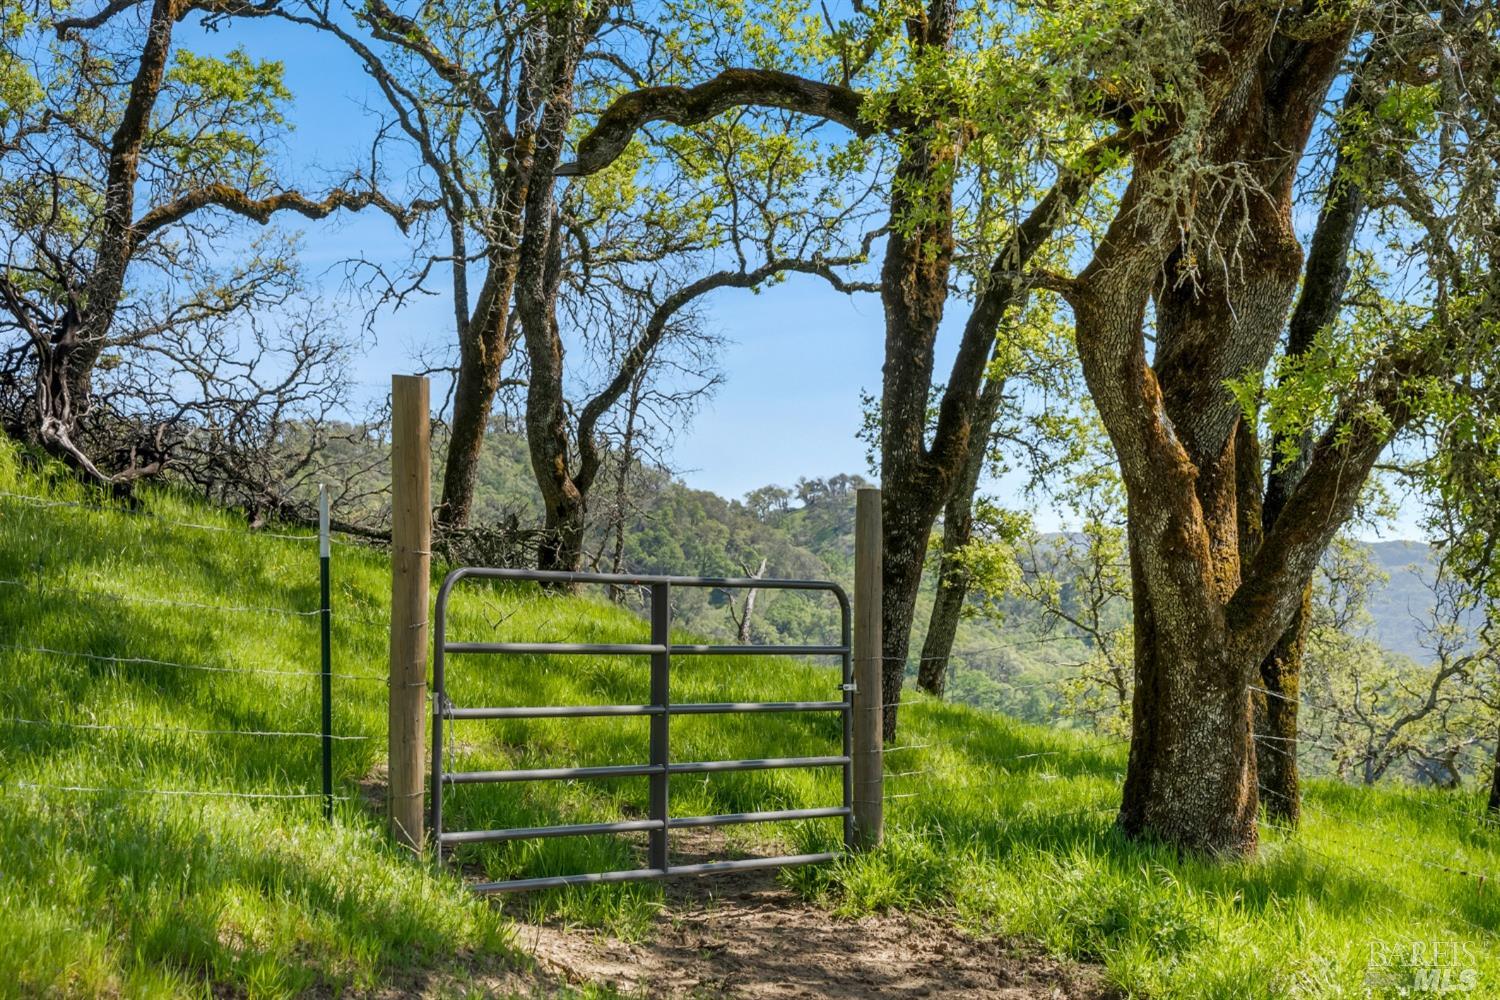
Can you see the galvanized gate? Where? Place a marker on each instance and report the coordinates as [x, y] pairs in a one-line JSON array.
[[660, 768]]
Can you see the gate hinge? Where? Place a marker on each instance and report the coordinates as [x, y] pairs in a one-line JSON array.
[[848, 687]]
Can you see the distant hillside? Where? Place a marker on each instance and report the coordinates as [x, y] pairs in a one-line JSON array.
[[806, 529], [1399, 605]]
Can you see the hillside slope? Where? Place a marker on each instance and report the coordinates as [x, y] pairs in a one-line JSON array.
[[147, 848], [141, 650]]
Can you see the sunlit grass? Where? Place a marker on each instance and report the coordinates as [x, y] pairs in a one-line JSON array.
[[105, 890], [1008, 826]]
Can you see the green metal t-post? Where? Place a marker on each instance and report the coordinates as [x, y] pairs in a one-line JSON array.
[[325, 619]]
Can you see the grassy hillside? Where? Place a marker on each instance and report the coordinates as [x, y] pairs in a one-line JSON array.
[[103, 890]]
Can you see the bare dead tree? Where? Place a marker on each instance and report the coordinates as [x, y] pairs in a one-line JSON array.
[[742, 618], [119, 177]]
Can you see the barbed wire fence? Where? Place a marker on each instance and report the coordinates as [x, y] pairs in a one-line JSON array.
[[95, 587]]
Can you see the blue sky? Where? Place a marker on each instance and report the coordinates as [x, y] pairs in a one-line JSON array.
[[797, 355]]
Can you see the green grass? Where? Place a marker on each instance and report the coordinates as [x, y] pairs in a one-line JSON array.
[[1007, 826], [105, 892]]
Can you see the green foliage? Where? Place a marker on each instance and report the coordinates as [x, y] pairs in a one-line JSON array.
[[19, 89], [220, 113], [991, 560]]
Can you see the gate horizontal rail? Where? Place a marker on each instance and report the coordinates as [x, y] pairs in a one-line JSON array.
[[660, 768], [686, 708]]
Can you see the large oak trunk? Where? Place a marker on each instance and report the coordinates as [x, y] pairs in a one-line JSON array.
[[1210, 599], [1191, 778]]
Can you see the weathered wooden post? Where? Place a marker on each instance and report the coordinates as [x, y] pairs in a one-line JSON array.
[[411, 556], [869, 774]]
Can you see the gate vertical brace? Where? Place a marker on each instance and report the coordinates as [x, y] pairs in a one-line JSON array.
[[439, 707], [661, 673]]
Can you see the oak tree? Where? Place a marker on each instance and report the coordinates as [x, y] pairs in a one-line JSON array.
[[1181, 307]]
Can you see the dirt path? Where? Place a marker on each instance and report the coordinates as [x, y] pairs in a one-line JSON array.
[[745, 937]]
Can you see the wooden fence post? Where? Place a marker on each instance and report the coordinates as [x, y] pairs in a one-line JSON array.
[[411, 557], [869, 774]]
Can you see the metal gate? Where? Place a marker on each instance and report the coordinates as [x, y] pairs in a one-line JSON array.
[[660, 768]]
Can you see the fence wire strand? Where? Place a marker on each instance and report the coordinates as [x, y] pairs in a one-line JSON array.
[[97, 588], [171, 730], [44, 503], [148, 661], [167, 602], [1301, 844], [188, 792]]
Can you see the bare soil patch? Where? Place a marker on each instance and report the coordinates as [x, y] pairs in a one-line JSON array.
[[744, 936]]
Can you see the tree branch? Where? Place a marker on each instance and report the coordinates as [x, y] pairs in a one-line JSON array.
[[407, 34], [67, 24], [656, 327], [261, 209], [732, 88], [1322, 501], [1005, 285]]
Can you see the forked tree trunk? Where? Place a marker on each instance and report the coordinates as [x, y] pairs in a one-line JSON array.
[[539, 277], [742, 628], [958, 530], [1204, 618]]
